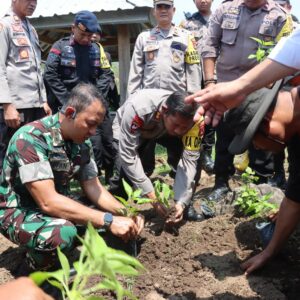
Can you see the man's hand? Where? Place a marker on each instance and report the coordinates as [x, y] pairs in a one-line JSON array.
[[215, 100], [22, 289], [47, 109], [178, 215], [255, 262], [140, 222], [161, 210], [124, 227], [11, 116]]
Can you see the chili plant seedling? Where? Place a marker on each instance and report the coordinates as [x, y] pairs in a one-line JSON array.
[[96, 258], [249, 202], [133, 197], [163, 193]]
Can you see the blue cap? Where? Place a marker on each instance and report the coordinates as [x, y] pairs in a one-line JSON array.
[[87, 21]]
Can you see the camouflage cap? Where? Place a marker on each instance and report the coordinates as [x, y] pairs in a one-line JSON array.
[[167, 2]]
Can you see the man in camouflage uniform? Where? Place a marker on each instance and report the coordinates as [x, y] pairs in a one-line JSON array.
[[165, 57], [38, 209], [76, 59], [23, 97], [197, 24], [158, 115], [227, 48]]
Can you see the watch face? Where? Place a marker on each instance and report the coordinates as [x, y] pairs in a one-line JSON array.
[[108, 218]]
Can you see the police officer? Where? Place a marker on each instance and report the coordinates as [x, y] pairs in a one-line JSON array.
[[197, 24], [23, 97], [228, 45], [76, 59], [38, 210], [158, 114], [165, 57]]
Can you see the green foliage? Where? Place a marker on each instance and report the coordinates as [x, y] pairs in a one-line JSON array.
[[163, 193], [263, 50], [96, 259], [133, 198], [249, 202]]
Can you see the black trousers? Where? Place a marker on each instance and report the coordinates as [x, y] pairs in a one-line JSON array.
[[104, 150], [27, 115], [260, 161], [146, 152]]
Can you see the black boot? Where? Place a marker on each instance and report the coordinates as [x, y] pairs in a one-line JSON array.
[[278, 180], [207, 163], [220, 190], [190, 214]]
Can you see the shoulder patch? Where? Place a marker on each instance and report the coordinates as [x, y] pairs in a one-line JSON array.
[[136, 123]]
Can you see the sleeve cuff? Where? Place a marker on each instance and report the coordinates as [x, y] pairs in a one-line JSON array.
[[35, 171]]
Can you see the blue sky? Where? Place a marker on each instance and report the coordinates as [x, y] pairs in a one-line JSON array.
[[189, 6]]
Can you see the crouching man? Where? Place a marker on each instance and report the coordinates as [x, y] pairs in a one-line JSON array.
[[38, 209], [156, 115], [272, 123]]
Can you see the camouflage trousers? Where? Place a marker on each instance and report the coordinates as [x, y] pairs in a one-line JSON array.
[[39, 233]]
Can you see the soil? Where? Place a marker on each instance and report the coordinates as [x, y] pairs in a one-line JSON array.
[[202, 261]]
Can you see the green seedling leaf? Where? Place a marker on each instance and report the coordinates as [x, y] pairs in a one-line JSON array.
[[64, 263], [128, 188]]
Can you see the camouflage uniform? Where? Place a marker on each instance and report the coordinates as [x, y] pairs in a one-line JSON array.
[[37, 151]]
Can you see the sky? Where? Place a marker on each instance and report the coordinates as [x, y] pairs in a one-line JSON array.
[[189, 6]]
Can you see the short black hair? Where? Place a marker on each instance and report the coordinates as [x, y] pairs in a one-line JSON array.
[[82, 95], [176, 104]]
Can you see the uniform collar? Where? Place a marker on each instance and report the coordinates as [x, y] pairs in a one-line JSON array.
[[173, 30]]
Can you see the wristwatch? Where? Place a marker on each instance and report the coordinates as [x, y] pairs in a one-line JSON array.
[[108, 219]]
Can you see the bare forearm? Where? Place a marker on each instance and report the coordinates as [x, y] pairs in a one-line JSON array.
[[209, 67], [288, 218], [98, 194], [263, 74]]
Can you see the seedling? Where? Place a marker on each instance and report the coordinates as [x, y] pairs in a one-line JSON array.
[[163, 193], [264, 49], [96, 259], [133, 198], [249, 202]]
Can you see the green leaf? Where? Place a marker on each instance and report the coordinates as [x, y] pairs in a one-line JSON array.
[[64, 263], [40, 277], [127, 188]]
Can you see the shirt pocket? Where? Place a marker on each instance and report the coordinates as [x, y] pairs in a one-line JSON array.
[[230, 27], [68, 66], [178, 50], [21, 50], [267, 29], [150, 53]]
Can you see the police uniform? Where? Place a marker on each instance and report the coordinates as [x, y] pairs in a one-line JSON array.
[[165, 61], [139, 121], [229, 39], [38, 152], [21, 81], [68, 64], [197, 25]]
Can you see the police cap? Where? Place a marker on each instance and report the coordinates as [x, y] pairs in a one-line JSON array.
[[167, 2], [87, 21]]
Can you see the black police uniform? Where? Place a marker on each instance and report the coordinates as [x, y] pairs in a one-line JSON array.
[[68, 64]]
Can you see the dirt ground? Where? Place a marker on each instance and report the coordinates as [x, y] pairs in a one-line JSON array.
[[201, 262]]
